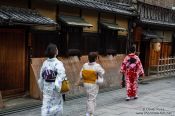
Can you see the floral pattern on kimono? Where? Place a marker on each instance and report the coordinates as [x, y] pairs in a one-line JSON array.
[[132, 71], [52, 99]]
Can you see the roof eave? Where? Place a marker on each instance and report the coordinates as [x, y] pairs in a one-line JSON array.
[[120, 13], [157, 23], [79, 24], [30, 24]]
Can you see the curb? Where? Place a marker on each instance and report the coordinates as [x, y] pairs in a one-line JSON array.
[[156, 77]]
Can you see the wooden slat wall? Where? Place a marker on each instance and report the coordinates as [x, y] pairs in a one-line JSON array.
[[73, 66], [166, 49], [12, 61], [154, 56], [164, 53], [138, 34], [40, 40]]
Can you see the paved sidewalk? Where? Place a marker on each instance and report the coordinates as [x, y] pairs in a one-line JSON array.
[[157, 98]]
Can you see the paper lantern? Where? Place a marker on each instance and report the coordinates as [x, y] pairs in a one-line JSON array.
[[156, 44]]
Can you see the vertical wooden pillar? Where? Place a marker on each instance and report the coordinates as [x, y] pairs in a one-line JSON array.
[[1, 102]]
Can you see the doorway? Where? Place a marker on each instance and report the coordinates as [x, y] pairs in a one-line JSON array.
[[12, 61], [144, 55]]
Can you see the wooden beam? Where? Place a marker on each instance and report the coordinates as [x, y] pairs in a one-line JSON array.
[[29, 4], [1, 102], [57, 13], [99, 18]]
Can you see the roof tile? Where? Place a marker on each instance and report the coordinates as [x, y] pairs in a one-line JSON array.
[[102, 5], [24, 16]]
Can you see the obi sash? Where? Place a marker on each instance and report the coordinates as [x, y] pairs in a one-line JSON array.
[[89, 76]]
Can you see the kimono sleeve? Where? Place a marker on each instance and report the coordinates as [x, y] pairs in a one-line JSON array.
[[123, 66], [100, 71], [41, 80], [81, 72], [140, 70]]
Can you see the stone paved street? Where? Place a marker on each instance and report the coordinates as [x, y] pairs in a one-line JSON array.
[[156, 98]]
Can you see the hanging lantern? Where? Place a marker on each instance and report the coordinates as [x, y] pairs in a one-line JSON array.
[[156, 44]]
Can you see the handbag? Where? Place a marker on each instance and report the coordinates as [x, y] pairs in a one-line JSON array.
[[100, 80], [65, 86], [123, 83]]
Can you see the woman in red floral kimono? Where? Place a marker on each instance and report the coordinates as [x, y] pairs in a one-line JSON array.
[[132, 69]]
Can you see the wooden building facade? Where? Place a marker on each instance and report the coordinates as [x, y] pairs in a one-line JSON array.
[[154, 25], [106, 26], [16, 20], [93, 25], [86, 23]]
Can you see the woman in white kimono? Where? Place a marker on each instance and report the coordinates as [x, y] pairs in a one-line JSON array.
[[51, 69], [91, 73]]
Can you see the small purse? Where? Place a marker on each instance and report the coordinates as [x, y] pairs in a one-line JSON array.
[[100, 80], [65, 86], [123, 81]]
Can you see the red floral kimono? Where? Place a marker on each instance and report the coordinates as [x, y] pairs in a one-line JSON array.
[[132, 69]]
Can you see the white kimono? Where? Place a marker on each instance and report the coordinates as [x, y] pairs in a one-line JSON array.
[[92, 89], [52, 99]]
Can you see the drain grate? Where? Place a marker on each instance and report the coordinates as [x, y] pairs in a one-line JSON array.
[[20, 108]]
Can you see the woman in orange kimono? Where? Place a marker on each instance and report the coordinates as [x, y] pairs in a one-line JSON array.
[[132, 69], [92, 75]]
